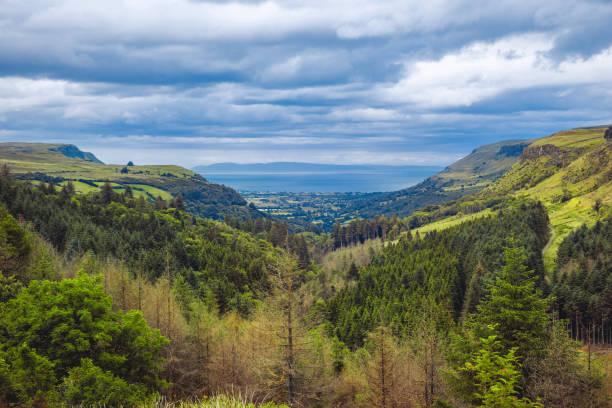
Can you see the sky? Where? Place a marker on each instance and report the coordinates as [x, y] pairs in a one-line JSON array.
[[369, 82]]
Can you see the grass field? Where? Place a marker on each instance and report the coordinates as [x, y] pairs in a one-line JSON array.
[[80, 187], [150, 191], [452, 221], [40, 158], [575, 138], [571, 215]]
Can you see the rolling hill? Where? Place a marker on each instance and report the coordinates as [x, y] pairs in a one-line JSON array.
[[61, 163], [467, 176], [570, 172]]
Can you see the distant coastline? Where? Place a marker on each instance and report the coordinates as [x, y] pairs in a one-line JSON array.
[[313, 177]]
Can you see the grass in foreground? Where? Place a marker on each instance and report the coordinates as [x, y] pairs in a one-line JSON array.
[[219, 401]]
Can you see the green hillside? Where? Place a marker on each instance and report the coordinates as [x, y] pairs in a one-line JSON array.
[[467, 176], [570, 172], [61, 163], [108, 299]]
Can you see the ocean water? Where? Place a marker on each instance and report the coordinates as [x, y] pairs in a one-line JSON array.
[[365, 180]]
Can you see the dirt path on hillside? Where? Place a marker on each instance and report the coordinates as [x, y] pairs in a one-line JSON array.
[[550, 240]]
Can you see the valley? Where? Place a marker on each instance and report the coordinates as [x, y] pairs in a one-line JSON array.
[[322, 210], [196, 287]]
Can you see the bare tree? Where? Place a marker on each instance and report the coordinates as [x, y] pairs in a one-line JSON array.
[[293, 378], [380, 371], [427, 343]]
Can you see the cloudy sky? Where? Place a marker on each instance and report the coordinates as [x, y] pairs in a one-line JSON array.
[[360, 81]]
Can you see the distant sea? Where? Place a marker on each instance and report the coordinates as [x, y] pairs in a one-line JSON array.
[[319, 178]]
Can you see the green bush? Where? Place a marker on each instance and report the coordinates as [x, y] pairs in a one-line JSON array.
[[90, 385], [49, 328]]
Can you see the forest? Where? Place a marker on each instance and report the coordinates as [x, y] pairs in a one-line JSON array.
[[107, 299]]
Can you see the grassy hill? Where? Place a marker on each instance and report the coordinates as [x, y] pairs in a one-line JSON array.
[[467, 176], [41, 161], [570, 172]]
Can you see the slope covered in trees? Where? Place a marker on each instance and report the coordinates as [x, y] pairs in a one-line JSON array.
[[582, 282], [440, 267], [217, 261]]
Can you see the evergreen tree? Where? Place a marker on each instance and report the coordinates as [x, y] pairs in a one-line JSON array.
[[353, 272], [473, 292], [51, 187], [497, 376], [9, 288], [302, 253], [128, 192], [70, 188], [337, 235], [515, 307], [5, 171], [107, 193], [288, 377], [160, 203], [179, 203]]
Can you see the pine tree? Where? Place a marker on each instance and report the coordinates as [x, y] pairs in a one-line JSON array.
[[353, 272], [160, 203], [128, 192], [51, 187], [302, 251], [473, 292], [70, 188], [497, 376], [107, 193], [337, 235], [179, 203], [515, 307], [288, 283]]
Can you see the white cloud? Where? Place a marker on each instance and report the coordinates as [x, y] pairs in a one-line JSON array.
[[484, 70]]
